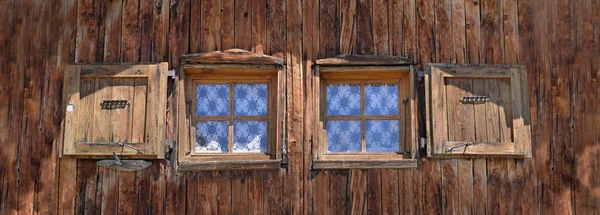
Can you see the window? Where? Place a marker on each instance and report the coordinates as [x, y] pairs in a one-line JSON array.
[[115, 109], [232, 112], [364, 113], [477, 110]]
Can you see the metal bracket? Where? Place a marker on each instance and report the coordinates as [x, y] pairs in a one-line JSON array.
[[474, 99], [114, 104]]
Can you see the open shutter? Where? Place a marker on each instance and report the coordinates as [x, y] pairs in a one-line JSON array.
[[477, 110], [115, 108]]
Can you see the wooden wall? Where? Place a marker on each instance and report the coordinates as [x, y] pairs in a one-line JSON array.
[[558, 40]]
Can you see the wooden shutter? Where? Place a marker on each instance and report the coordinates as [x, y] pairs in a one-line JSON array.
[[115, 108], [477, 110]]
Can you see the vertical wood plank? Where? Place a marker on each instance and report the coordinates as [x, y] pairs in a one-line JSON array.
[[562, 106], [255, 192], [110, 192], [211, 25], [276, 34], [409, 33], [223, 194], [131, 37], [195, 25], [390, 197], [193, 195], [143, 194], [396, 21], [348, 27], [322, 199], [239, 192], [112, 31], [127, 201], [381, 27], [259, 22], [229, 23], [586, 79], [338, 192], [357, 190], [243, 25], [207, 191], [364, 27], [121, 119]]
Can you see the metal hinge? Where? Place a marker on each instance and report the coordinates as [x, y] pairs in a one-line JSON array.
[[421, 75], [422, 142], [172, 73], [284, 153], [169, 143]]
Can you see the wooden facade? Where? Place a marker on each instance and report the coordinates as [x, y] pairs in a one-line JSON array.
[[557, 40]]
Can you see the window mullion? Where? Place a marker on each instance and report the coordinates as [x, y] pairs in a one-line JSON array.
[[363, 140], [230, 139]]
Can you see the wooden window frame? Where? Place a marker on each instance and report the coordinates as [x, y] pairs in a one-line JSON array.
[[231, 67], [152, 145], [437, 120], [355, 69]]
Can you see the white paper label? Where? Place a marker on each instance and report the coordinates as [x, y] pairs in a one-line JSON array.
[[70, 108]]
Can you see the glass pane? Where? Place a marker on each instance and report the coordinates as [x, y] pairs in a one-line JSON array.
[[250, 136], [250, 99], [343, 99], [343, 136], [382, 135], [212, 100], [381, 99], [211, 136]]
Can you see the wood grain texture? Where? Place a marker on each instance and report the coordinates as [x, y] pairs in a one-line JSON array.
[[554, 39]]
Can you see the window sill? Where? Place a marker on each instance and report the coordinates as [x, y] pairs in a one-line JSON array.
[[364, 164], [185, 166]]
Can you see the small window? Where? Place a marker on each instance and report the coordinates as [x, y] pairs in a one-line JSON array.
[[115, 108], [236, 108], [232, 111], [477, 110], [365, 113]]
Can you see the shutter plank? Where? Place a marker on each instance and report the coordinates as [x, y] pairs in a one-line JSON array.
[[71, 95], [139, 110], [102, 122], [121, 118]]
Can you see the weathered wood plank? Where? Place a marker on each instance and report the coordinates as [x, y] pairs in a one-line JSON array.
[[239, 192], [562, 41], [211, 25], [113, 31], [207, 193], [259, 29], [338, 192], [110, 192], [127, 189], [357, 191], [232, 56], [390, 197], [322, 199], [243, 25], [348, 28], [254, 183], [381, 27], [364, 27], [228, 23], [131, 36], [223, 193]]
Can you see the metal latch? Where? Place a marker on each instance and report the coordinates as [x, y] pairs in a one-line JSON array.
[[114, 104], [474, 99]]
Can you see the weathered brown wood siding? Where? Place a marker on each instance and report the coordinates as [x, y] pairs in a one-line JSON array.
[[558, 40]]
